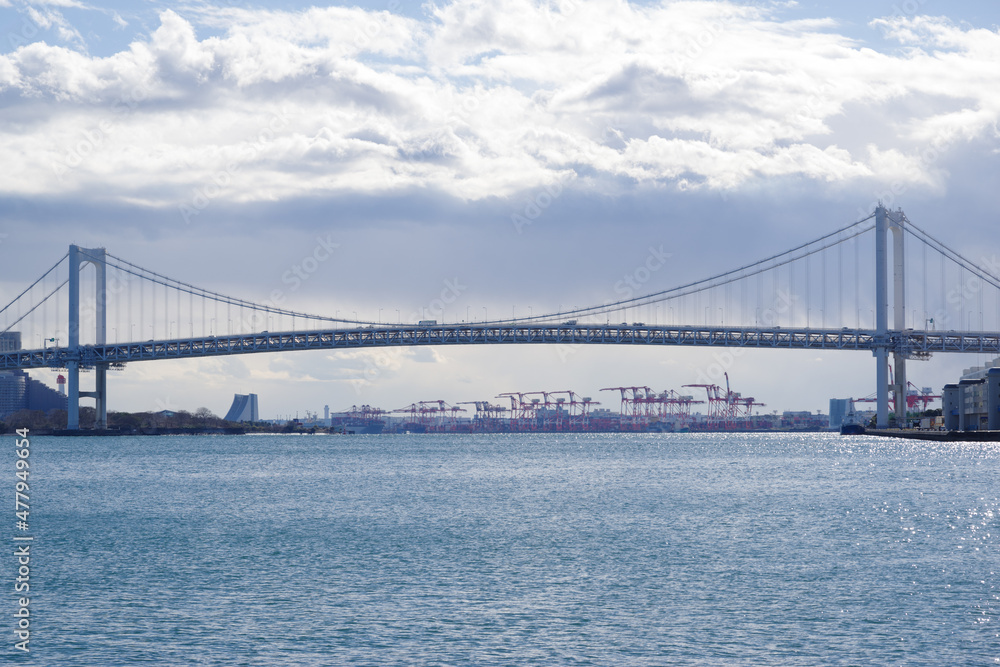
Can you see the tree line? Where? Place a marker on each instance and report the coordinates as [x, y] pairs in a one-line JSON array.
[[56, 420]]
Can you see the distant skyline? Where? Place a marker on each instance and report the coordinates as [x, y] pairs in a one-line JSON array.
[[222, 144]]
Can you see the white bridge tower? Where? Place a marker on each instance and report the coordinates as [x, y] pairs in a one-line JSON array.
[[78, 258], [885, 222]]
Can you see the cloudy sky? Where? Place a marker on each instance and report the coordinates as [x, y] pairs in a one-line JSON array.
[[224, 143]]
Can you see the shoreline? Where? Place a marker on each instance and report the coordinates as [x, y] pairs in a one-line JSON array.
[[242, 431], [146, 431], [937, 436]]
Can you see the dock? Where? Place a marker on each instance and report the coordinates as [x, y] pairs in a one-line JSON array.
[[940, 436]]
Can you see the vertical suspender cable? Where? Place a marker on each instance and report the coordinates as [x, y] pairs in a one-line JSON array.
[[961, 288], [743, 302], [759, 300], [118, 299], [710, 313], [45, 317], [857, 282], [791, 294], [982, 288], [127, 288], [808, 298], [822, 286], [923, 249], [179, 295], [840, 282], [944, 303]]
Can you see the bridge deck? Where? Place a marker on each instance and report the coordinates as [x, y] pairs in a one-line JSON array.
[[499, 334]]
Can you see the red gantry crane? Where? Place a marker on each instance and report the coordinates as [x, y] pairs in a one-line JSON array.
[[432, 416], [489, 418], [727, 410], [914, 397], [716, 414], [633, 408], [671, 406], [522, 411]]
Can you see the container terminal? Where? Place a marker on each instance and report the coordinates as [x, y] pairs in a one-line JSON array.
[[639, 409]]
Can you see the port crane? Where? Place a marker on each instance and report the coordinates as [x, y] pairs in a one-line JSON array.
[[436, 415], [726, 409]]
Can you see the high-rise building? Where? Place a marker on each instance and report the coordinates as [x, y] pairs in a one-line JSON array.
[[243, 409], [840, 408], [10, 341], [19, 391]]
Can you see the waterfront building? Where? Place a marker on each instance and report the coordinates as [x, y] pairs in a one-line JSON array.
[[973, 404], [19, 391]]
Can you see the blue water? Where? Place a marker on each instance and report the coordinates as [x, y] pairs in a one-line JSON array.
[[672, 549]]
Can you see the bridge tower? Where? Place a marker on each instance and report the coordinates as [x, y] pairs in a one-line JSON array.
[[78, 257], [886, 222]]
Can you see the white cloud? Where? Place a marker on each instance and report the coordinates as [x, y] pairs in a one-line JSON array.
[[47, 19], [177, 48], [492, 98], [57, 3]]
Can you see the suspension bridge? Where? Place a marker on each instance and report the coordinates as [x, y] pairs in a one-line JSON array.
[[815, 296]]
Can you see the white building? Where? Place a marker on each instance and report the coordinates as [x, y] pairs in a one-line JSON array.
[[243, 409]]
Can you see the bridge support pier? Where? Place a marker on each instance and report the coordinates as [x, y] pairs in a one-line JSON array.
[[78, 257]]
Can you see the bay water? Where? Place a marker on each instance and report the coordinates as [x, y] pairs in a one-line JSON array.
[[527, 549]]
